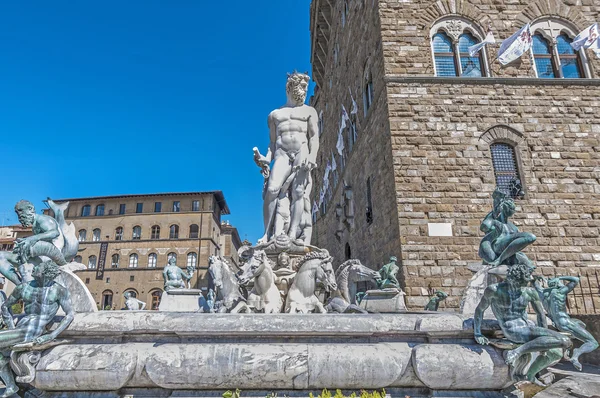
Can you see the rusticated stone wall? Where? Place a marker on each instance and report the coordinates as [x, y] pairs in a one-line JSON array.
[[443, 173], [439, 130], [371, 157]]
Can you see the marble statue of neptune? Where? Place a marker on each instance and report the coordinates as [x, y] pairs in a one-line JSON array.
[[292, 154]]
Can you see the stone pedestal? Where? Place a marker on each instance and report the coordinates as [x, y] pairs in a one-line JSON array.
[[183, 300], [162, 354], [384, 300]]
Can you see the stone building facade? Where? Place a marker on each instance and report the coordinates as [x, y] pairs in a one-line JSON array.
[[9, 234], [125, 241], [430, 148]]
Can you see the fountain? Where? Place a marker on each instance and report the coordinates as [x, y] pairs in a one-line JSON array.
[[283, 336]]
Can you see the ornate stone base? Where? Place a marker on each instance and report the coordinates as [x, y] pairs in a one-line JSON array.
[[384, 300], [116, 351], [183, 300]]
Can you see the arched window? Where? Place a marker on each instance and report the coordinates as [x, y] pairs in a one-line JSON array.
[[133, 261], [505, 167], [82, 235], [119, 233], [78, 259], [192, 259], [194, 231], [171, 255], [542, 54], [344, 13], [471, 66], [552, 52], [152, 260], [443, 53], [137, 233], [155, 233], [451, 38], [114, 263], [131, 291], [100, 210], [96, 235], [174, 232], [570, 62], [348, 251], [86, 210], [156, 295], [367, 90], [107, 300], [92, 262]]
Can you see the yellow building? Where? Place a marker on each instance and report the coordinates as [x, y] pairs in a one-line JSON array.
[[125, 241]]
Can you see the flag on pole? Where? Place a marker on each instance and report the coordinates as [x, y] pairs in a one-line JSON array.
[[489, 39], [354, 109], [344, 113], [588, 38], [333, 164], [515, 46], [340, 143], [315, 208], [327, 170]]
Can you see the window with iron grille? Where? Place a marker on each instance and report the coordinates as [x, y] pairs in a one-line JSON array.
[[505, 167]]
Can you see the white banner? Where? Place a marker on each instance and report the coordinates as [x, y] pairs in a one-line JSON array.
[[345, 114], [588, 38], [333, 163], [489, 39], [340, 143], [354, 109], [515, 46], [315, 208]]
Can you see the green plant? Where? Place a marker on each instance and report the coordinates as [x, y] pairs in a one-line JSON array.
[[17, 308], [231, 394], [324, 394]]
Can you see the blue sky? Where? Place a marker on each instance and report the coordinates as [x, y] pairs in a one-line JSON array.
[[124, 97]]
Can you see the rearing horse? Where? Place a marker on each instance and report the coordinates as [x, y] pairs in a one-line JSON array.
[[315, 269], [226, 282], [346, 276], [264, 294]]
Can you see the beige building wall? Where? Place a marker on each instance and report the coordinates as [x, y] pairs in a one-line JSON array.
[[142, 278]]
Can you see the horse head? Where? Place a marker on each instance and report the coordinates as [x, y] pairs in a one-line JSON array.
[[215, 268], [326, 276], [360, 273], [254, 266]]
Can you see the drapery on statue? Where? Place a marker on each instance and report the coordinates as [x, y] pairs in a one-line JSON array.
[[42, 298], [509, 301], [554, 298], [176, 278], [52, 239], [294, 142], [502, 243]]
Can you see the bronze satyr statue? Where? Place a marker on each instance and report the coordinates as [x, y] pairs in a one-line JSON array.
[[554, 298], [42, 298], [509, 301]]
